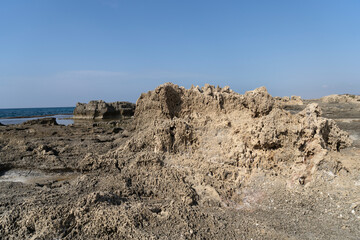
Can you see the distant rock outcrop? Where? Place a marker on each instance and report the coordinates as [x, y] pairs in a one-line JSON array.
[[341, 98], [104, 110], [293, 100]]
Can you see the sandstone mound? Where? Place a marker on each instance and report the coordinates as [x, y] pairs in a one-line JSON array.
[[217, 124], [103, 110], [341, 98]]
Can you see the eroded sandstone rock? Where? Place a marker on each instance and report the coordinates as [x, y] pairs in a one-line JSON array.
[[104, 110], [244, 130]]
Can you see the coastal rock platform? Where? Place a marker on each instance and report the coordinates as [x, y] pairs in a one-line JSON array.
[[198, 163]]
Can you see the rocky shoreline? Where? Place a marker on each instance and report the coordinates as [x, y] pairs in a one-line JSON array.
[[198, 163]]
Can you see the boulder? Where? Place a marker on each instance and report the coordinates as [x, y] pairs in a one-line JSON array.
[[104, 110]]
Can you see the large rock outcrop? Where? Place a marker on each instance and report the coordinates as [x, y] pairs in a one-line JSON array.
[[217, 124], [104, 110]]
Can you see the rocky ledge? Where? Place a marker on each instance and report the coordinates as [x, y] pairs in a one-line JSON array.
[[104, 110], [341, 98], [42, 121]]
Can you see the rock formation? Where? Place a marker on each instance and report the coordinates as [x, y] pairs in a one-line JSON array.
[[293, 100], [42, 121], [341, 98], [103, 110], [217, 124]]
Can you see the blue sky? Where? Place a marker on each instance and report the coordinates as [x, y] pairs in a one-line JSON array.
[[59, 52]]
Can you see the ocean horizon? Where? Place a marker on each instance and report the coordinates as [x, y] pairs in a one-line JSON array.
[[34, 112], [20, 115]]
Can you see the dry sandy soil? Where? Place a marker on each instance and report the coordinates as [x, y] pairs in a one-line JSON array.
[[199, 163]]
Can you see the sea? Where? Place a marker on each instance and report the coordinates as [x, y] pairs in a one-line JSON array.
[[63, 115]]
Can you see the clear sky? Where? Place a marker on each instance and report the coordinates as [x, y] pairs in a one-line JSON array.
[[59, 52]]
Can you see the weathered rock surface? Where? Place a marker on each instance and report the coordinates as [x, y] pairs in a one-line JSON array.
[[104, 110], [245, 130]]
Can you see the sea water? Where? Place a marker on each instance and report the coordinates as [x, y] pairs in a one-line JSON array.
[[20, 115]]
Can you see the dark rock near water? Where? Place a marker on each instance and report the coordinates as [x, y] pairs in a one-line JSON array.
[[42, 121], [104, 110]]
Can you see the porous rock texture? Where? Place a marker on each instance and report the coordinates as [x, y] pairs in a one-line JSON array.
[[103, 110], [242, 130], [227, 136]]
